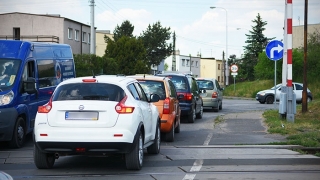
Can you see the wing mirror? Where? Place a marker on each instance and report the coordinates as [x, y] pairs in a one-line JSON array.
[[154, 98], [30, 85]]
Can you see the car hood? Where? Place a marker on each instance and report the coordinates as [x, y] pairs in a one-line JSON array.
[[267, 91]]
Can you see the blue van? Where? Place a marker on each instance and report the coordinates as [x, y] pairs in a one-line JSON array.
[[29, 73]]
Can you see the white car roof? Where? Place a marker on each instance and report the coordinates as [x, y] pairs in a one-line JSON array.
[[113, 79]]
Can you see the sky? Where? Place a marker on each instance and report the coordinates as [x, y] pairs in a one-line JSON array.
[[199, 29]]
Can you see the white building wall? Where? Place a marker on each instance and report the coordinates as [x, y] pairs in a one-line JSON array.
[[298, 34], [45, 25], [183, 64]]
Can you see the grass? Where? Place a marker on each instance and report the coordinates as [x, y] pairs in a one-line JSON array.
[[304, 131], [247, 89]]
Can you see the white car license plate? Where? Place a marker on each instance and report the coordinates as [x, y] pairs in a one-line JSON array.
[[86, 115]]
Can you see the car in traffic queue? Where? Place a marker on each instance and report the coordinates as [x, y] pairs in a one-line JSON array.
[[97, 115], [191, 103], [213, 96], [267, 96], [168, 105]]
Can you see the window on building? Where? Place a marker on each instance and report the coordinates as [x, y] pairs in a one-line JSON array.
[[187, 62], [69, 33], [218, 78], [218, 66], [196, 63], [183, 62], [84, 36], [16, 33], [76, 35], [89, 38], [191, 63]]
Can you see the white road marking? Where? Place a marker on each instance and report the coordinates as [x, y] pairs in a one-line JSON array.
[[197, 163]]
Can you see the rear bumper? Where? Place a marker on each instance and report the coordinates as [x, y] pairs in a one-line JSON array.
[[166, 122], [71, 148], [210, 102], [185, 108], [93, 140]]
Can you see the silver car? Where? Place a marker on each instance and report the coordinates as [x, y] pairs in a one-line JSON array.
[[213, 96]]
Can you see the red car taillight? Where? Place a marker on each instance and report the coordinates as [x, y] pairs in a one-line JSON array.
[[121, 108], [214, 95], [186, 96], [45, 108], [166, 106]]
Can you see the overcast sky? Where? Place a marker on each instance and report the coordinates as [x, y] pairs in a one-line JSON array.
[[198, 28]]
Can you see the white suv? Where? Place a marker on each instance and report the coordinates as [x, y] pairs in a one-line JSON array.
[[97, 116]]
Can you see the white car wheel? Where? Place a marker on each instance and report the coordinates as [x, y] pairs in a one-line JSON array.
[[155, 147], [134, 159], [43, 160]]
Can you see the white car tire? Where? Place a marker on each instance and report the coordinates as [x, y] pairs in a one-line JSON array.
[[155, 147], [134, 159], [43, 160]]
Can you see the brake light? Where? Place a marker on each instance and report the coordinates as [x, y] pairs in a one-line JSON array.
[[166, 106], [45, 108], [89, 80], [121, 108], [214, 95], [186, 96]]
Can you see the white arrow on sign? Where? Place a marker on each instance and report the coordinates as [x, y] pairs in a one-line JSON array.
[[279, 49]]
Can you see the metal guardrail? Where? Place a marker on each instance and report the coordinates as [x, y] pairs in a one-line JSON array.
[[34, 38]]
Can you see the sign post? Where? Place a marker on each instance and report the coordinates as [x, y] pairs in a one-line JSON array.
[[274, 51], [234, 71]]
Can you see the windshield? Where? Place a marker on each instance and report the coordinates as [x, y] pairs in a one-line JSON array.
[[276, 87], [8, 73], [180, 83], [153, 87], [205, 84]]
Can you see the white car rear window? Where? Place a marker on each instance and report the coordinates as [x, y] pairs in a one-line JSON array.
[[89, 91]]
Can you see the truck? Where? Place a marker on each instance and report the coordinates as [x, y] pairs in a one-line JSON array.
[[29, 73]]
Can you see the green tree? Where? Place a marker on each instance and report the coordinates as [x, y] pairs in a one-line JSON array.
[[265, 67], [155, 42], [126, 29], [256, 43], [313, 63], [88, 64], [129, 55]]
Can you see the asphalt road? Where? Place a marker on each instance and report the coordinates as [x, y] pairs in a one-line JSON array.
[[229, 144]]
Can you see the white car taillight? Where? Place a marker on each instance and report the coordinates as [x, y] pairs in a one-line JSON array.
[[121, 108], [45, 108]]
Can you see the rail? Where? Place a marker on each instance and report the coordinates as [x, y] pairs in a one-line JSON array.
[[34, 38]]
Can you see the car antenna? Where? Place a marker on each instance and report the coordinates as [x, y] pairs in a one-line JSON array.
[[93, 74]]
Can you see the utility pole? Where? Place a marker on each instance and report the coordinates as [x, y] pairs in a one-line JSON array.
[[304, 91], [223, 69], [190, 62], [92, 34], [174, 52]]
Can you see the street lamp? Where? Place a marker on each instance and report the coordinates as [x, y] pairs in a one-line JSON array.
[[227, 66]]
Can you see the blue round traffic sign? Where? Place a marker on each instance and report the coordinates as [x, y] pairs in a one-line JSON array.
[[274, 50]]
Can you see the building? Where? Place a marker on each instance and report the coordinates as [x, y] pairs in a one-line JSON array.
[[184, 63], [298, 34], [101, 45], [212, 68], [46, 28]]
